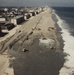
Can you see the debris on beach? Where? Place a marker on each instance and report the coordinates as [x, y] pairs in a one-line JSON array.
[[46, 42], [25, 50], [51, 28]]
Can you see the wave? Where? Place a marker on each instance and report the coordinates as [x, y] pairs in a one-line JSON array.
[[68, 67]]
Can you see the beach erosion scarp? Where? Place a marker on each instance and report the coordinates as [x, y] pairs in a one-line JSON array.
[[36, 50]]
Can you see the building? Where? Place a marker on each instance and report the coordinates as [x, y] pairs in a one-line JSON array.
[[30, 14], [2, 19], [27, 16], [40, 9], [1, 24], [8, 26], [33, 13], [17, 20], [0, 29]]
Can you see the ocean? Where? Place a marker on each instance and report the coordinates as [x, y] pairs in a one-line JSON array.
[[65, 17]]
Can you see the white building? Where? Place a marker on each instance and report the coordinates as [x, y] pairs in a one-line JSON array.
[[2, 19]]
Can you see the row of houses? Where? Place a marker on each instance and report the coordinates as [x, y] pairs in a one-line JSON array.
[[9, 21]]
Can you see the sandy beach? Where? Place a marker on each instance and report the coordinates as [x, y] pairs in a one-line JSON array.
[[34, 49]]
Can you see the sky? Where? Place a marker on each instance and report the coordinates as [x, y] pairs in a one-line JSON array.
[[37, 3]]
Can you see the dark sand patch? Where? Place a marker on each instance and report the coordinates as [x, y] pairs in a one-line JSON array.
[[37, 61]]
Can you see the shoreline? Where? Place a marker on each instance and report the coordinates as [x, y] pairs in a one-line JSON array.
[[68, 66], [58, 33], [60, 39]]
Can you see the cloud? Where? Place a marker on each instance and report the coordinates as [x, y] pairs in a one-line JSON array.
[[6, 0], [36, 2]]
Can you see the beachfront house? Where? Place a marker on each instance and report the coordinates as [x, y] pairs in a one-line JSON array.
[[7, 26], [0, 29], [2, 19], [26, 16], [33, 13], [17, 20]]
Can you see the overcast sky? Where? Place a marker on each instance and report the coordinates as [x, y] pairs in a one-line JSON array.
[[37, 2]]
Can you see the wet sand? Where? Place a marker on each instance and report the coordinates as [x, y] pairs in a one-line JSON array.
[[38, 59]]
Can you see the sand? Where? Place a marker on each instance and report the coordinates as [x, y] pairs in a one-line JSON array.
[[28, 35]]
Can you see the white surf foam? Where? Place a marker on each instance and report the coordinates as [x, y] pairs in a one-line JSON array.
[[68, 67]]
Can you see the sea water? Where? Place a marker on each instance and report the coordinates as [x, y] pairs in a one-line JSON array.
[[65, 17]]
